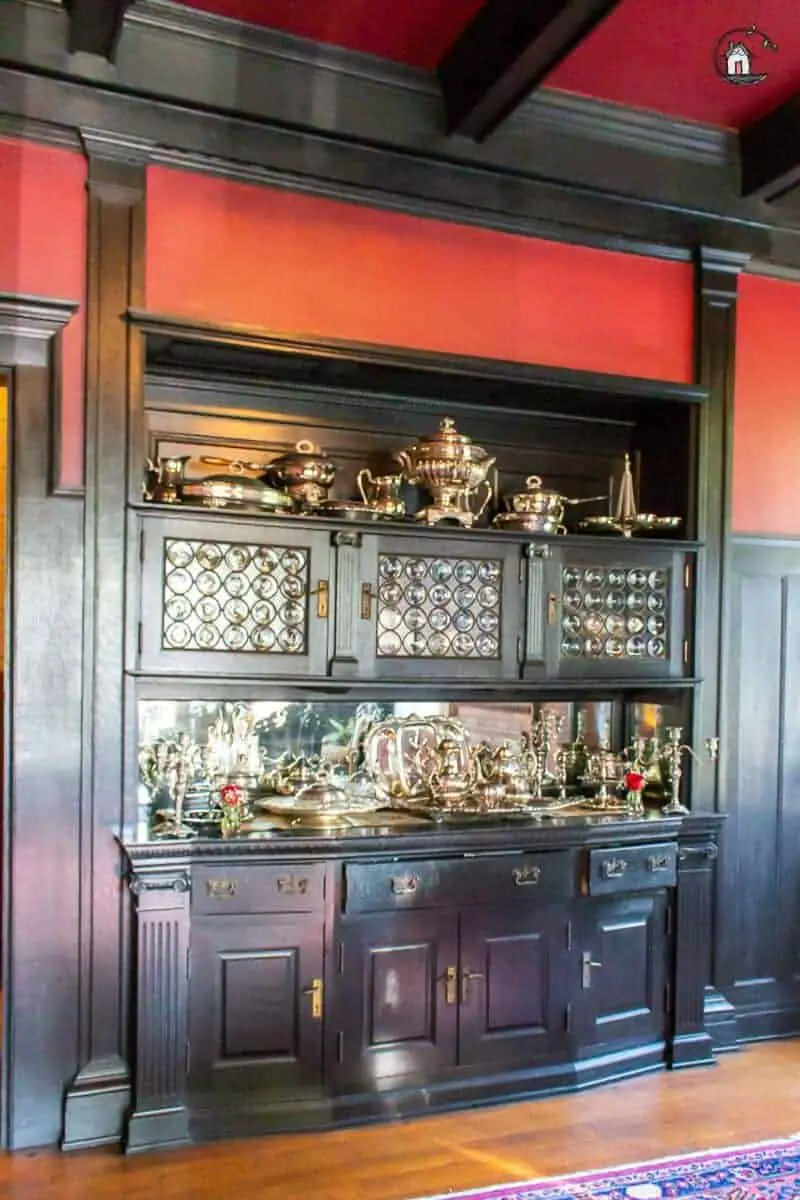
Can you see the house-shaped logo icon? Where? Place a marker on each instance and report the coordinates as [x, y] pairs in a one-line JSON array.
[[738, 57]]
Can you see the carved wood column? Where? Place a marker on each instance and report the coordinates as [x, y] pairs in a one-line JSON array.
[[100, 1093], [160, 1117], [691, 1042]]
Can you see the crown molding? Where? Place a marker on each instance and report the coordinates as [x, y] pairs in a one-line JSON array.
[[27, 326], [650, 132]]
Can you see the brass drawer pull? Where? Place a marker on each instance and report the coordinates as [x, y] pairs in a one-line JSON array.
[[526, 876], [404, 885], [220, 889], [288, 885], [614, 868], [659, 862]]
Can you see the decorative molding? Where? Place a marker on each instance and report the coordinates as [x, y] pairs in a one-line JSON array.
[[28, 325], [759, 266], [428, 179], [46, 133], [615, 124], [114, 147], [139, 884], [432, 361]]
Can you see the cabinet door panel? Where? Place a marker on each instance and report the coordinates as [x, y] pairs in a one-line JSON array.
[[397, 1010], [623, 980], [228, 598], [513, 1007], [621, 612], [252, 1018], [446, 610]]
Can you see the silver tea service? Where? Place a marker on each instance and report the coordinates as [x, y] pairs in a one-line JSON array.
[[454, 470]]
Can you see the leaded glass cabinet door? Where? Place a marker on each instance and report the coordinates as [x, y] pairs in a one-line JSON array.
[[444, 609], [621, 611], [232, 598]]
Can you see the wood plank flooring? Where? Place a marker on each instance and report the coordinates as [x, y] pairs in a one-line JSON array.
[[750, 1095]]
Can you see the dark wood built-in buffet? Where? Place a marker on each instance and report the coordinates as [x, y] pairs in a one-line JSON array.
[[516, 897]]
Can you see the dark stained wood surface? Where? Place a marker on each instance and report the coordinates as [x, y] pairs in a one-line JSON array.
[[505, 52], [628, 1122]]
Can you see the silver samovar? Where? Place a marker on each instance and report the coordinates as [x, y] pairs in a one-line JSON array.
[[454, 470]]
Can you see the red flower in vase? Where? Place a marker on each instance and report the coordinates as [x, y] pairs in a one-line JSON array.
[[634, 781], [230, 796]]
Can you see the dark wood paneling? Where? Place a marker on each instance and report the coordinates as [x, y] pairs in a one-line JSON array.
[[43, 778], [770, 154], [760, 903], [505, 52], [95, 25], [717, 276], [99, 1094]]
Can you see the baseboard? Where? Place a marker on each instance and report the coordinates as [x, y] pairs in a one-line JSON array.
[[95, 1105], [721, 1021], [763, 1024], [161, 1129]]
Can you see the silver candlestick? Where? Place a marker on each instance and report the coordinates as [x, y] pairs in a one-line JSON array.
[[673, 754]]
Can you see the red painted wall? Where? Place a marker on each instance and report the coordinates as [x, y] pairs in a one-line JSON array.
[[766, 446], [43, 253], [243, 254]]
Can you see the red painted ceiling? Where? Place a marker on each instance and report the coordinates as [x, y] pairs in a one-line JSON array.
[[656, 54]]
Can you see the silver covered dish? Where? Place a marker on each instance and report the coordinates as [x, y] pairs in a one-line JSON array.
[[305, 472]]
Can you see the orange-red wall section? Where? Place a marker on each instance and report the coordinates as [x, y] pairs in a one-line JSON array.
[[250, 255], [766, 444], [43, 253]]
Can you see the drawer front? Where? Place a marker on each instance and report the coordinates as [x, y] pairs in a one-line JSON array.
[[378, 887], [632, 868], [293, 887]]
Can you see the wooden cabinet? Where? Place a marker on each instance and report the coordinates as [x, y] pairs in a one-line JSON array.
[[620, 974], [429, 607], [256, 1004], [514, 986], [231, 599], [500, 970], [397, 1010], [619, 610]]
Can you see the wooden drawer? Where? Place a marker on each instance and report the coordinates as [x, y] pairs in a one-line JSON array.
[[377, 887], [295, 887], [632, 868]]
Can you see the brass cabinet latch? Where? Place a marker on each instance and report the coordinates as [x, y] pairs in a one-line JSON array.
[[368, 594], [587, 964], [450, 980], [315, 992], [552, 608], [322, 592], [467, 978]]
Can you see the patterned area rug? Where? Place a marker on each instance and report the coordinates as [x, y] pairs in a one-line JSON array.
[[764, 1171]]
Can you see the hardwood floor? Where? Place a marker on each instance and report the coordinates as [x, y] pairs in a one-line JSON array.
[[750, 1095]]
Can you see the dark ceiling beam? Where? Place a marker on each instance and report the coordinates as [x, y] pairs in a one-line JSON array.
[[95, 25], [770, 152], [505, 52]]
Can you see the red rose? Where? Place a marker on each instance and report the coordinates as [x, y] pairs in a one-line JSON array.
[[230, 795], [634, 781]]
